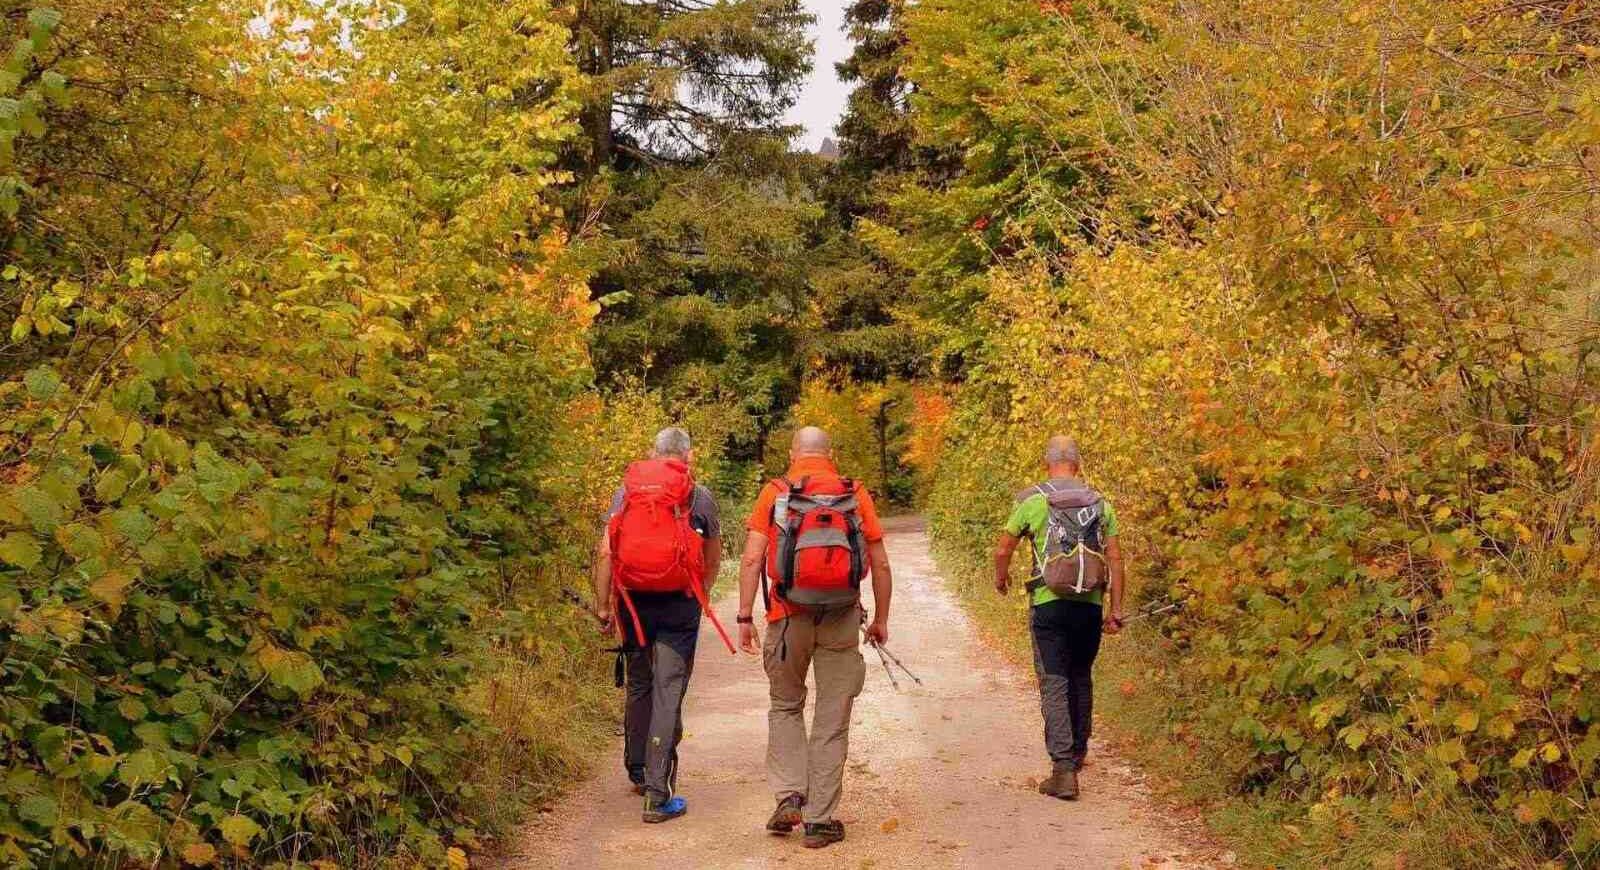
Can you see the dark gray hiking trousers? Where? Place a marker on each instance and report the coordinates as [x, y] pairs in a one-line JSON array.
[[1066, 639], [658, 679]]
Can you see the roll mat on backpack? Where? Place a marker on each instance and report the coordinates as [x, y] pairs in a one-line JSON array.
[[653, 546], [820, 556]]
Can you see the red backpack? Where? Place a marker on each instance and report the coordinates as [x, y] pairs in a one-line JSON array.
[[819, 558], [653, 546]]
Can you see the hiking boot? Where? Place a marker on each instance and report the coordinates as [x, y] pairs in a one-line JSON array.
[[1062, 783], [787, 815], [665, 811], [823, 834]]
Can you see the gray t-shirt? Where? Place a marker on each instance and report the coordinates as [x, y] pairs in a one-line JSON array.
[[703, 515]]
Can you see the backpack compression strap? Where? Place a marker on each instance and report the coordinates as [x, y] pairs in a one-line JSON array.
[[696, 587]]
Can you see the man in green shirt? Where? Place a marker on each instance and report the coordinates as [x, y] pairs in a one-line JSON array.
[[1065, 520]]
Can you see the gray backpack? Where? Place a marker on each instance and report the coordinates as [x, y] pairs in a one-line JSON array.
[[1074, 538]]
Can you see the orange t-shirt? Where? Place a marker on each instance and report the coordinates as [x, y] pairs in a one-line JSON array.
[[761, 523]]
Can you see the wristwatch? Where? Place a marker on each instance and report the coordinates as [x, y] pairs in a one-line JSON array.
[[745, 620]]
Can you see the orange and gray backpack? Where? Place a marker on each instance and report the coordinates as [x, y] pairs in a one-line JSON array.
[[819, 557]]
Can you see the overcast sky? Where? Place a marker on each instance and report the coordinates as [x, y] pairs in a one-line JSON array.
[[822, 100]]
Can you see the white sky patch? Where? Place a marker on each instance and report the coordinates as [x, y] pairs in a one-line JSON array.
[[823, 97]]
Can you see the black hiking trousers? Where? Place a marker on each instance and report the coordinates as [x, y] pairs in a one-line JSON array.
[[1066, 639], [658, 679]]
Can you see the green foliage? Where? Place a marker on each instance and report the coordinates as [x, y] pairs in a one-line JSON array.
[[691, 212], [1312, 302], [292, 353], [871, 430]]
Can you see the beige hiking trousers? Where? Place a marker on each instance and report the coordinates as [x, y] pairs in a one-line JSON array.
[[812, 767]]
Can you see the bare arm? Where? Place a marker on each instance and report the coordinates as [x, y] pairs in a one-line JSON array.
[[1004, 548], [712, 557], [755, 553], [882, 591], [1114, 562]]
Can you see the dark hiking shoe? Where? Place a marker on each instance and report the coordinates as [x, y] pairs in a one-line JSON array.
[[665, 811], [1062, 783], [636, 776], [787, 815], [823, 834]]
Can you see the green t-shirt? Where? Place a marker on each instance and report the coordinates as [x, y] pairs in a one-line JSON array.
[[1028, 520]]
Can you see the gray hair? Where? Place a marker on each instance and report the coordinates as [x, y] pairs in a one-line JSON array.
[[1061, 450], [672, 441]]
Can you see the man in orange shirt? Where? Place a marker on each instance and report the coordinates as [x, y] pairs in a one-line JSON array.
[[828, 524]]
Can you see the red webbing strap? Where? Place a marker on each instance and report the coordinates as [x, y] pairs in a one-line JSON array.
[[705, 605], [616, 577], [638, 627]]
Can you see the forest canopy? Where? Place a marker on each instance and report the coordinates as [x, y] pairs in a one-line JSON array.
[[326, 327]]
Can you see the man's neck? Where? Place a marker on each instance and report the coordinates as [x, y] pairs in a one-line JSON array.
[[1063, 472]]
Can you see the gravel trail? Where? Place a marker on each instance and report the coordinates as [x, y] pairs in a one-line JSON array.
[[940, 775]]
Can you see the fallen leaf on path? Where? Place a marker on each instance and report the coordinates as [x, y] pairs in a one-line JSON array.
[[890, 824]]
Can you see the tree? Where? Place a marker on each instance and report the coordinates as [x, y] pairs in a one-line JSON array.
[[671, 80], [291, 361], [692, 211]]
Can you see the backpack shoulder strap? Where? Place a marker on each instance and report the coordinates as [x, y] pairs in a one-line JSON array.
[[1043, 489]]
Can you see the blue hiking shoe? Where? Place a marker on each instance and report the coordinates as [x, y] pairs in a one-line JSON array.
[[665, 811]]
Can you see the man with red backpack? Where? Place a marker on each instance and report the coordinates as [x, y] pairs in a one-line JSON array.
[[653, 568], [814, 535]]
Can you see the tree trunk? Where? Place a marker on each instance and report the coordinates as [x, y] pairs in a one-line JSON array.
[[881, 422], [594, 31]]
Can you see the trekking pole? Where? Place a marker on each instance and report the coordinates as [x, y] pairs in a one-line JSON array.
[[883, 651], [885, 662], [885, 658], [1145, 614]]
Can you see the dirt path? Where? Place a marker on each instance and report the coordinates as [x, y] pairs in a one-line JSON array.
[[941, 775]]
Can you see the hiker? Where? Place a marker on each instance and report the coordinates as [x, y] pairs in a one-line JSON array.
[[813, 536], [657, 558], [1076, 558]]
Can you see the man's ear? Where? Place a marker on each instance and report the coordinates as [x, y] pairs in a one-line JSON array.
[[688, 458]]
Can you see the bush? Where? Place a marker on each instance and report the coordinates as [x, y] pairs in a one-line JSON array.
[[285, 420], [1312, 303]]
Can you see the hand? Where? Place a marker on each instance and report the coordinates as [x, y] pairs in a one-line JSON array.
[[878, 632], [1002, 585], [1112, 623], [605, 613], [749, 638]]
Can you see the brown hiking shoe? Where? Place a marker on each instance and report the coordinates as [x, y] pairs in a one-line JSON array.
[[1062, 783], [787, 815], [823, 834]]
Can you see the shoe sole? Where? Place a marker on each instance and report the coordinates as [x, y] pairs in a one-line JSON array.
[[822, 844], [784, 824], [651, 819]]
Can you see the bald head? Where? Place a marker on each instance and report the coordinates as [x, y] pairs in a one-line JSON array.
[[1061, 452], [810, 441]]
